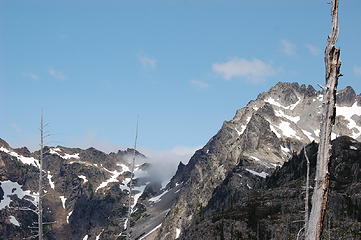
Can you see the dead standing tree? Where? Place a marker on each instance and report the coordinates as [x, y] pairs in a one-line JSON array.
[[322, 181], [130, 209], [40, 203]]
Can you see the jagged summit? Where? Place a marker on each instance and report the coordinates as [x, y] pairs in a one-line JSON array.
[[265, 133]]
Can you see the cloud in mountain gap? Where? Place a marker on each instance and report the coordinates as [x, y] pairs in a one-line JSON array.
[[165, 162]]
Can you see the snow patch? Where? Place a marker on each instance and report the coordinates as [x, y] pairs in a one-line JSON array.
[[84, 178], [25, 160], [317, 132], [13, 220], [348, 113], [150, 232], [275, 103], [309, 135], [261, 174], [63, 200], [85, 237], [333, 136], [243, 127], [137, 195], [52, 185], [293, 106], [56, 151], [68, 216], [157, 198], [125, 224], [238, 132], [249, 187], [353, 148], [287, 130], [13, 188], [124, 185], [98, 236], [284, 149], [125, 168], [177, 233], [113, 178], [275, 131], [281, 114], [255, 158], [68, 156]]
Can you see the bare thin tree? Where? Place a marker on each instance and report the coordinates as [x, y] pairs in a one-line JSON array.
[[40, 199], [307, 194], [322, 182], [131, 182]]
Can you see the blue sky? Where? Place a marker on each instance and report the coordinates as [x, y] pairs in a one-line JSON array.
[[183, 66]]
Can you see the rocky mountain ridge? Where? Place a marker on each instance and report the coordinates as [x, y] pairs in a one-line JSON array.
[[266, 133], [86, 191]]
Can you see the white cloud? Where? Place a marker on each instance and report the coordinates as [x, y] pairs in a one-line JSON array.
[[357, 70], [16, 127], [56, 74], [165, 162], [32, 75], [63, 36], [199, 84], [315, 51], [254, 70], [288, 48], [148, 62]]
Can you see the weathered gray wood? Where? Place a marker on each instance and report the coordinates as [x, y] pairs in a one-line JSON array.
[[320, 194], [40, 203], [131, 184], [307, 190]]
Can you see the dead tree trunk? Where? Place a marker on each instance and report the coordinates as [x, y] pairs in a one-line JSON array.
[[320, 194], [307, 190], [40, 203], [130, 209]]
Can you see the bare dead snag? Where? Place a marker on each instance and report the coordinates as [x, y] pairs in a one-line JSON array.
[[322, 181], [307, 189]]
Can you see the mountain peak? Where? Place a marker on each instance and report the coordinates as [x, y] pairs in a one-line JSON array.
[[346, 96]]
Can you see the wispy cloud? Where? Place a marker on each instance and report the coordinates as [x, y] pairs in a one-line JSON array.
[[63, 36], [315, 51], [56, 74], [16, 127], [357, 70], [288, 48], [165, 162], [199, 84], [253, 70], [32, 76], [149, 63]]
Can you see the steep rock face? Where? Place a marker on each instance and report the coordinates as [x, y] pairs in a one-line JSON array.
[[273, 209], [266, 132]]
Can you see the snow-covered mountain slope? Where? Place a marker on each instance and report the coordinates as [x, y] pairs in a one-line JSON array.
[[86, 191], [266, 133]]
